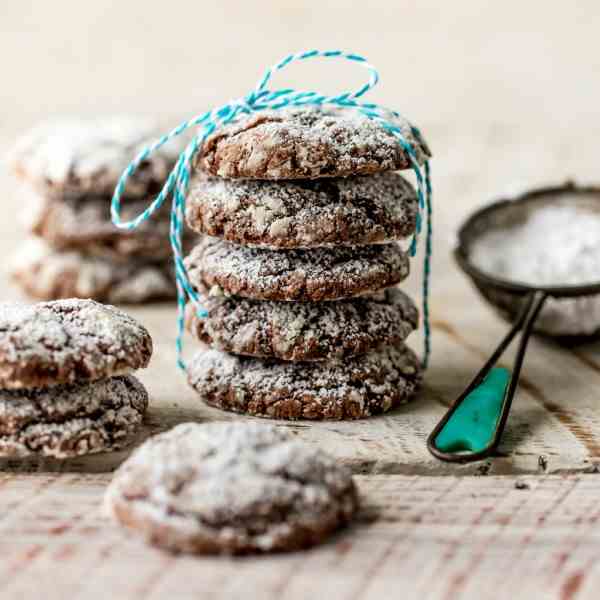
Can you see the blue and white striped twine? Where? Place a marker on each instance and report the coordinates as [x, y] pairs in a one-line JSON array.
[[262, 98]]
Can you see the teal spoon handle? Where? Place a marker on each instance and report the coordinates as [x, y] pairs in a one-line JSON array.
[[472, 427]]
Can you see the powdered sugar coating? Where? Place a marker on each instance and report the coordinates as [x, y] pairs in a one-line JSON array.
[[75, 156], [304, 214], [351, 388], [301, 331], [231, 488], [85, 224], [71, 420], [307, 143], [296, 275], [47, 274], [555, 241], [68, 341]]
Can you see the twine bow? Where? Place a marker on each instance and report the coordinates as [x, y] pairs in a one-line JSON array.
[[258, 99]]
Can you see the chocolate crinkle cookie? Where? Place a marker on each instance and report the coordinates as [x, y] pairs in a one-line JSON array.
[[71, 420], [352, 388], [304, 214], [85, 225], [76, 156], [231, 488], [301, 331], [68, 341], [46, 274], [296, 275], [308, 143]]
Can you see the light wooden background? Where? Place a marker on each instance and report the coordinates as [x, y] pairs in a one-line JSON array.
[[507, 94]]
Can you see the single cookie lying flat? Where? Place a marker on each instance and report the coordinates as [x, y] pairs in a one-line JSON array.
[[75, 157], [85, 224], [231, 488], [304, 214], [47, 274], [68, 341], [71, 420], [296, 275], [307, 143], [302, 331], [354, 388]]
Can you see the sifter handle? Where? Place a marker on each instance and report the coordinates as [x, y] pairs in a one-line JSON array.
[[472, 427]]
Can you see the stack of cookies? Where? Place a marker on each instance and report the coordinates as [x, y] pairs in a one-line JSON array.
[[65, 383], [70, 169], [302, 210]]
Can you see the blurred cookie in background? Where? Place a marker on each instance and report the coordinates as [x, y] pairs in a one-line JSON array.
[[73, 157], [69, 169], [45, 273]]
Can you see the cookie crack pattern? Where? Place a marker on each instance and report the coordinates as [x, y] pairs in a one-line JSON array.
[[296, 275], [385, 379], [52, 344], [294, 495], [304, 331]]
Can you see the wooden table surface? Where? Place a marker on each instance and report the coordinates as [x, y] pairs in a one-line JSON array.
[[507, 95]]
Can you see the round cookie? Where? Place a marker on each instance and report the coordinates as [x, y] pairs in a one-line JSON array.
[[307, 143], [231, 488], [47, 274], [70, 420], [75, 156], [304, 214], [68, 341], [301, 331], [352, 388], [296, 275], [84, 224]]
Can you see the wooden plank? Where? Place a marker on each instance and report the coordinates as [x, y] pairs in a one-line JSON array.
[[416, 537]]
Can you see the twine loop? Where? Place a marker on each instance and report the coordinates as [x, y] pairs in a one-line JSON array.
[[263, 98]]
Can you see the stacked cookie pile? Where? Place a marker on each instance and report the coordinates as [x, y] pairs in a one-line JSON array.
[[302, 210], [70, 169], [65, 383]]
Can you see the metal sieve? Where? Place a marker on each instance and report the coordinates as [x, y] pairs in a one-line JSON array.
[[472, 427]]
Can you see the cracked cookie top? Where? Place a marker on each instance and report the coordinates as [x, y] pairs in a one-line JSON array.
[[304, 214], [76, 156], [68, 341], [307, 143], [49, 274], [296, 275], [84, 223], [301, 331], [71, 420], [349, 388], [231, 488]]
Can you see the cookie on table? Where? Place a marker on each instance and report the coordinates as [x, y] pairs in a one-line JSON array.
[[85, 224], [307, 143], [296, 275], [68, 341], [351, 388], [304, 214], [77, 156], [302, 331], [231, 488], [65, 421], [47, 274]]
